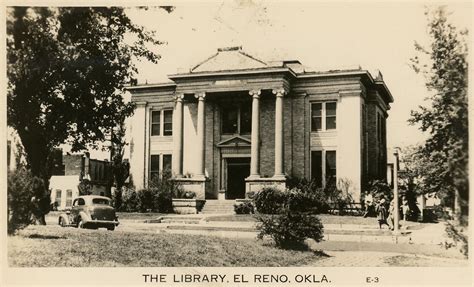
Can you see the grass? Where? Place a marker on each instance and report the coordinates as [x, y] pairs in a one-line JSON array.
[[53, 246]]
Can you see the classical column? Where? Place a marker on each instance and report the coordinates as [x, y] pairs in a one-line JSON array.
[[201, 147], [279, 173], [138, 145], [255, 149], [178, 137]]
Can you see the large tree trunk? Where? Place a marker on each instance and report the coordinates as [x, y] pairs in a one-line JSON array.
[[38, 156]]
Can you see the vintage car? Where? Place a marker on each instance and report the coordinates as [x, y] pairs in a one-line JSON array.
[[90, 211]]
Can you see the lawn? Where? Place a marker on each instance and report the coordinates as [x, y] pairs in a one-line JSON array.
[[53, 246]]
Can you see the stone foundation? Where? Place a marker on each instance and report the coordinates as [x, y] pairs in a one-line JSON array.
[[187, 206], [196, 185], [257, 184]]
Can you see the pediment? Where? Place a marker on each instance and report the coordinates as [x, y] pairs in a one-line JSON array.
[[236, 141], [229, 59]]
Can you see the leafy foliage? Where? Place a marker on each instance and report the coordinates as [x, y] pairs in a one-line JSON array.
[[290, 229], [244, 208], [26, 198], [444, 65], [67, 68], [269, 200], [380, 189]]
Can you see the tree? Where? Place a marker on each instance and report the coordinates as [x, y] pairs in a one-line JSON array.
[[120, 168], [444, 65], [67, 68]]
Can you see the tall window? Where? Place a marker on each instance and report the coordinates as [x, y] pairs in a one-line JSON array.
[[58, 197], [326, 111], [155, 123], [68, 197], [330, 116], [323, 167], [237, 119], [331, 167], [154, 166], [168, 123], [159, 117], [316, 116], [317, 167], [159, 165]]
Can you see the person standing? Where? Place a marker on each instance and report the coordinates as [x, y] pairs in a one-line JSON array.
[[382, 213]]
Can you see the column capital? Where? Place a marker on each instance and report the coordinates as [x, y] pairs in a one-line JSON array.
[[200, 96], [179, 97], [255, 93], [280, 92], [141, 104]]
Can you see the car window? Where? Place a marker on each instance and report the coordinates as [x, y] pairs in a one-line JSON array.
[[100, 201], [81, 201]]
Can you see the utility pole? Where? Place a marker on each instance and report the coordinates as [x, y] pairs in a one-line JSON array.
[[396, 213]]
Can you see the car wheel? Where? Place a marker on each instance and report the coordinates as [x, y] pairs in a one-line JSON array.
[[80, 224], [111, 228], [62, 222]]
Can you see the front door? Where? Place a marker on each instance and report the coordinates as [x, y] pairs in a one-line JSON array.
[[237, 170]]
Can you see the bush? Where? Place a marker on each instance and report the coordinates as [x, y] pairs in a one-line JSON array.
[[20, 192], [244, 208], [269, 200], [290, 229], [380, 189], [129, 201]]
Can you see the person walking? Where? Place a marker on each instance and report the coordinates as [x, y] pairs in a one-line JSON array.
[[382, 213]]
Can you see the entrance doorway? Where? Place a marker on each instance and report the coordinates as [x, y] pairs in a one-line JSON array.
[[237, 170]]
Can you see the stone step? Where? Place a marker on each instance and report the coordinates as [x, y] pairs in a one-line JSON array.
[[218, 207]]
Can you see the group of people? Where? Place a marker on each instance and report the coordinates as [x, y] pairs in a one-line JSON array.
[[385, 214]]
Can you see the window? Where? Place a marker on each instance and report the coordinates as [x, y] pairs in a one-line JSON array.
[[168, 123], [159, 165], [58, 197], [330, 116], [166, 162], [237, 119], [165, 117], [316, 115], [331, 167], [155, 123], [320, 111], [323, 167], [229, 120], [154, 166], [68, 197], [102, 201], [317, 167], [246, 118]]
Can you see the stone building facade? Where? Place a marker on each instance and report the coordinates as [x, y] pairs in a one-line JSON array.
[[234, 124]]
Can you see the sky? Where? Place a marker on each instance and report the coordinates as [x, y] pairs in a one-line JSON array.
[[373, 35]]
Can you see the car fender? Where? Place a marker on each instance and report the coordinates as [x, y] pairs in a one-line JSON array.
[[84, 216], [65, 218]]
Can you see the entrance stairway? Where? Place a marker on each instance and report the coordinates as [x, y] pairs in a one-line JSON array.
[[214, 206]]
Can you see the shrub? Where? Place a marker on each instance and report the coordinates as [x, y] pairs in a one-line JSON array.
[[380, 189], [313, 197], [269, 200], [244, 208], [289, 229], [20, 192], [145, 200], [130, 201]]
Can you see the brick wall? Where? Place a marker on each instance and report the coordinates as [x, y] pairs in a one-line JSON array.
[[72, 164]]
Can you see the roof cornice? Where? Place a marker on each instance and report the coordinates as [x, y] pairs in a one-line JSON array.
[[233, 72]]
